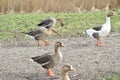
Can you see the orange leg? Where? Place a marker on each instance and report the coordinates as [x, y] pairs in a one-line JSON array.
[[46, 42], [50, 73], [99, 42], [39, 44]]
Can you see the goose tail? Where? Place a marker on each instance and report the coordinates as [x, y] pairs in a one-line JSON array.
[[84, 32], [32, 60]]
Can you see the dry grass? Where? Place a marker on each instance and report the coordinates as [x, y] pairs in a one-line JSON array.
[[10, 6]]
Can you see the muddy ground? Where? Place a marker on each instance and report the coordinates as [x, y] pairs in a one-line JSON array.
[[90, 61]]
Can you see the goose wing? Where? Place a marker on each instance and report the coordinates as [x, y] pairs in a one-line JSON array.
[[34, 32], [46, 23], [45, 58], [97, 28]]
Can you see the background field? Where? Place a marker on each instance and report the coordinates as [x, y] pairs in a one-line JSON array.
[[38, 6]]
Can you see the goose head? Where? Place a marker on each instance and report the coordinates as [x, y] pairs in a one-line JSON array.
[[59, 44], [67, 68], [59, 20], [64, 71], [112, 13]]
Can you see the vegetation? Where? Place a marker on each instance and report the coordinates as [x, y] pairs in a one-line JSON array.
[[113, 77], [12, 25], [110, 77], [7, 6]]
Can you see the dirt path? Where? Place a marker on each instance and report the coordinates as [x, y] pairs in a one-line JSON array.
[[89, 60]]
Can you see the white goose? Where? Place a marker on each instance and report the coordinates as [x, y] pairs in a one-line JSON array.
[[102, 30]]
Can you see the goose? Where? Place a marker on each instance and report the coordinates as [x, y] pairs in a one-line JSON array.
[[51, 22], [64, 71], [101, 30], [48, 60], [41, 34]]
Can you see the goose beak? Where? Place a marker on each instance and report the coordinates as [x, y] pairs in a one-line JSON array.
[[72, 69], [62, 45], [62, 24]]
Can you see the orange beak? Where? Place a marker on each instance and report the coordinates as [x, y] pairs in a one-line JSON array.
[[62, 45], [72, 69]]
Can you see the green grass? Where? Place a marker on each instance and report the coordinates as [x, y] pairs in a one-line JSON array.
[[12, 24], [111, 77]]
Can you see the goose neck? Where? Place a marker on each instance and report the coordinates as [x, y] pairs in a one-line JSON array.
[[107, 19], [56, 49], [65, 75]]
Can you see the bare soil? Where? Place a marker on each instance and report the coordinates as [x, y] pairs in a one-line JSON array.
[[91, 62]]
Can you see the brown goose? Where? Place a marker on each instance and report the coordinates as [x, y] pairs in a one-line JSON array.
[[41, 34], [65, 70], [49, 60], [51, 22]]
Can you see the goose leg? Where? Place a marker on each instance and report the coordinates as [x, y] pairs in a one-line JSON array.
[[46, 42], [39, 44], [99, 42], [50, 73]]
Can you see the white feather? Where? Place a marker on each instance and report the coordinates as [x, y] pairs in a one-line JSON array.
[[90, 32], [106, 28], [31, 60], [84, 32], [103, 32], [45, 63], [32, 37]]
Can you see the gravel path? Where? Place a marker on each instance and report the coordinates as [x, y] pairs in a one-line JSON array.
[[89, 60]]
